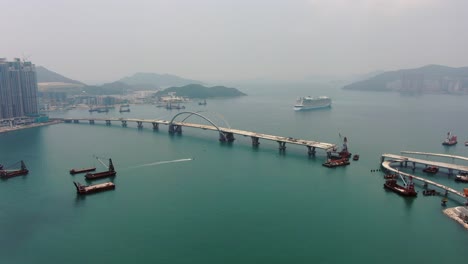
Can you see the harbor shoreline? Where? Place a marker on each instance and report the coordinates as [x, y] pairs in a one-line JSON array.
[[11, 129]]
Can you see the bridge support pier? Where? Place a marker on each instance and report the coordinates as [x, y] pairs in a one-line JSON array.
[[226, 137], [155, 126], [139, 124], [91, 122], [282, 146], [311, 151], [414, 166], [450, 172], [425, 186], [66, 121], [124, 123], [446, 193], [76, 121], [108, 122], [406, 164], [255, 142], [175, 129]]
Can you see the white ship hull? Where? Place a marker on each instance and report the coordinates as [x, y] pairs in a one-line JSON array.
[[309, 103]]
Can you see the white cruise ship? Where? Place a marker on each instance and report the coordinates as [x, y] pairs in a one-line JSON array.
[[308, 103]]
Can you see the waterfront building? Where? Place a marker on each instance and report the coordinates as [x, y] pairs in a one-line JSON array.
[[18, 89]]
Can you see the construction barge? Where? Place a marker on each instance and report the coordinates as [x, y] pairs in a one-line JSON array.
[[82, 170], [406, 190], [12, 173], [109, 173], [88, 189]]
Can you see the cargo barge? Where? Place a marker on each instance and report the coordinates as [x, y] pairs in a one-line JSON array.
[[82, 170], [109, 173], [88, 189], [336, 163], [407, 190], [12, 173]]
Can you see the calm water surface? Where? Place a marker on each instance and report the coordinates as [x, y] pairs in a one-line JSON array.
[[233, 203]]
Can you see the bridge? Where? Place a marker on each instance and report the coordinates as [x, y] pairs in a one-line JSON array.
[[387, 165], [449, 166], [225, 134]]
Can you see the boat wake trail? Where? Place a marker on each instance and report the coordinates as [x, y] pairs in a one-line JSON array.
[[162, 162]]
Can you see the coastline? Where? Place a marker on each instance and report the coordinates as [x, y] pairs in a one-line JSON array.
[[11, 129], [454, 214]]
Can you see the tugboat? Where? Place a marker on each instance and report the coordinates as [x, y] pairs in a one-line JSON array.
[[356, 157], [331, 163], [407, 190], [12, 173], [109, 173], [462, 177], [450, 140], [87, 189], [431, 169]]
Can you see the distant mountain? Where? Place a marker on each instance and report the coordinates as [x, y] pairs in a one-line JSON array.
[[427, 79], [200, 91], [45, 75], [156, 80], [108, 88]]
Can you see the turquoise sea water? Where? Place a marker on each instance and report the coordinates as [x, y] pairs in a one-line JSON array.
[[233, 203]]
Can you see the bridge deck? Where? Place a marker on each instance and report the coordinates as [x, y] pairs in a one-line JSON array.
[[386, 164], [400, 158], [435, 155], [303, 142]]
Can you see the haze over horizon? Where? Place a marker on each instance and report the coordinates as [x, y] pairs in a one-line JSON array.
[[98, 41]]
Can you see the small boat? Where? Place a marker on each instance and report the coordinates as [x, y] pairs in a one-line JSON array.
[[407, 190], [462, 177], [331, 163], [356, 157], [12, 173], [109, 173], [87, 189], [202, 103], [466, 143], [444, 201], [450, 140], [82, 170], [431, 169], [430, 192], [390, 176]]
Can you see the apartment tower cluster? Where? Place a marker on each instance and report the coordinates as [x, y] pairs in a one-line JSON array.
[[18, 89]]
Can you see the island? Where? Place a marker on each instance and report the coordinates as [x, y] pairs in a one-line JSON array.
[[202, 92]]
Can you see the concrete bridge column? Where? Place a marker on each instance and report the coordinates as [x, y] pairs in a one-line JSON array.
[[226, 137], [175, 129], [124, 123], [76, 121], [406, 164], [414, 166], [155, 126], [311, 151], [255, 142], [282, 146], [108, 122], [91, 122], [66, 121], [450, 172], [139, 124]]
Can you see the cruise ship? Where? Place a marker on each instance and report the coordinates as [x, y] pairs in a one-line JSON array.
[[308, 103]]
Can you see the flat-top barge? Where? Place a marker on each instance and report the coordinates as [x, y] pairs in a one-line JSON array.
[[109, 173], [331, 163], [12, 173], [87, 189], [82, 170]]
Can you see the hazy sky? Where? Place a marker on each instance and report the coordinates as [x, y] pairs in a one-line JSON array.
[[104, 40]]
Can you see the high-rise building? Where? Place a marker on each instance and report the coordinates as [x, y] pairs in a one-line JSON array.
[[18, 88]]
